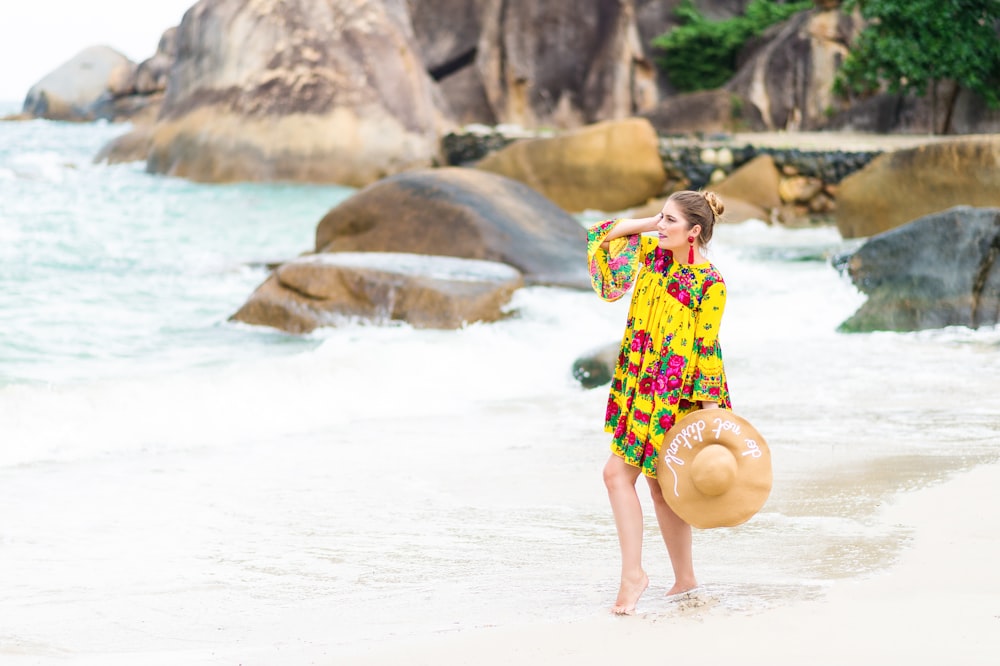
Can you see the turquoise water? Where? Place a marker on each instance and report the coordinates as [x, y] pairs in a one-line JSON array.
[[176, 488], [108, 270]]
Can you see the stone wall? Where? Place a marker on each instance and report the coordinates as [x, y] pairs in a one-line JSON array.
[[690, 163], [703, 161]]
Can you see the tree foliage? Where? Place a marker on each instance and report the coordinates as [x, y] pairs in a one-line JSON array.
[[700, 54], [910, 45]]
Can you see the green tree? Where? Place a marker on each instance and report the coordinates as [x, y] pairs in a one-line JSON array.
[[909, 46], [700, 54]]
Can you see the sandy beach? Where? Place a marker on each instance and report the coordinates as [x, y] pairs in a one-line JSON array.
[[938, 603], [220, 495]]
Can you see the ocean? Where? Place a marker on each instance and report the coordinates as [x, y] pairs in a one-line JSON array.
[[179, 488]]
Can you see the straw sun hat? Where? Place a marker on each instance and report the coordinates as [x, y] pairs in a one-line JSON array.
[[714, 469]]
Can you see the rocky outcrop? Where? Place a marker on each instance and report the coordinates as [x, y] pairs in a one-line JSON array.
[[902, 185], [788, 73], [537, 65], [462, 213], [151, 75], [889, 113], [447, 32], [547, 64], [293, 90], [426, 292], [447, 36], [759, 190], [73, 90], [705, 112], [940, 270], [552, 64], [606, 166], [132, 146], [597, 367], [970, 114], [137, 95], [756, 183]]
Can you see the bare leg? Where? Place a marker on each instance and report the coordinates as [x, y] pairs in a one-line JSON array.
[[620, 477], [677, 536]]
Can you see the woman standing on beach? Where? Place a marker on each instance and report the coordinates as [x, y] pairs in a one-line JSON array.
[[670, 364]]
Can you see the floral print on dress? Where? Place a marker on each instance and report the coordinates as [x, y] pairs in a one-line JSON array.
[[611, 270], [670, 358]]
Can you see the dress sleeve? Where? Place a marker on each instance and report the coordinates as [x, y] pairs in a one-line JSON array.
[[612, 271], [709, 375]]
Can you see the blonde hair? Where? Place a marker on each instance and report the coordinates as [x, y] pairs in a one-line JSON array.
[[703, 208]]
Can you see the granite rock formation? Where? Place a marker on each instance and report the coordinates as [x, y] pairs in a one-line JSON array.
[[426, 292], [939, 270], [462, 213], [903, 185], [605, 166], [292, 90], [74, 89]]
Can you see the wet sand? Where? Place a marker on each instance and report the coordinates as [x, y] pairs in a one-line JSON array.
[[939, 602]]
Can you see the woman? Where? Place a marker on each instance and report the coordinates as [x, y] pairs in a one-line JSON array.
[[670, 364]]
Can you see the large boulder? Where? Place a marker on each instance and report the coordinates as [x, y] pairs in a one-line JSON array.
[[597, 366], [446, 32], [295, 90], [132, 146], [970, 114], [151, 74], [738, 210], [895, 113], [559, 65], [900, 186], [72, 90], [705, 111], [547, 64], [940, 270], [756, 183], [462, 213], [466, 97], [426, 292], [447, 36], [789, 72], [605, 166], [136, 95]]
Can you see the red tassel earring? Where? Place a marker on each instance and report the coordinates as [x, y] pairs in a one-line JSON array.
[[691, 250]]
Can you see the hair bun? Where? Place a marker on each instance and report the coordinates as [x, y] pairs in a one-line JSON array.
[[715, 203]]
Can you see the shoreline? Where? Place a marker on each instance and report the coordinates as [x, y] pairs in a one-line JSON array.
[[939, 600]]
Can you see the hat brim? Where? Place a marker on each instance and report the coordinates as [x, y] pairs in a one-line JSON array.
[[750, 486]]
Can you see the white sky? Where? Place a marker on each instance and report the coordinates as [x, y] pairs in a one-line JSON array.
[[36, 36]]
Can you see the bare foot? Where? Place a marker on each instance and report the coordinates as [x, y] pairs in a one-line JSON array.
[[682, 588], [629, 593]]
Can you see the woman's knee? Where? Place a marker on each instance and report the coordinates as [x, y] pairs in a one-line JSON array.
[[617, 474], [611, 475]]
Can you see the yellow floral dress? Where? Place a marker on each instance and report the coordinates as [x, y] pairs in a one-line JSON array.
[[670, 359]]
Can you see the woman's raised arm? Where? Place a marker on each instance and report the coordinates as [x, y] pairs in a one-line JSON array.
[[626, 227]]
